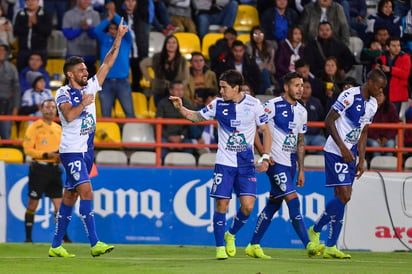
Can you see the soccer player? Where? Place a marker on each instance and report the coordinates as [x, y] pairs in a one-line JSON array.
[[347, 122], [238, 114], [287, 123], [77, 112]]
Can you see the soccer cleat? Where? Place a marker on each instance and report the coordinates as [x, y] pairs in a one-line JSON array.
[[314, 249], [230, 244], [255, 251], [60, 252], [313, 236], [331, 252], [100, 248], [221, 253]]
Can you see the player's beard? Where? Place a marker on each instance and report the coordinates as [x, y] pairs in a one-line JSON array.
[[82, 82]]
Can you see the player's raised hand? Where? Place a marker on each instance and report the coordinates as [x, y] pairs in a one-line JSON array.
[[176, 101], [122, 29]]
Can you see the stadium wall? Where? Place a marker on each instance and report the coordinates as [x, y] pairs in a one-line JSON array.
[[172, 206]]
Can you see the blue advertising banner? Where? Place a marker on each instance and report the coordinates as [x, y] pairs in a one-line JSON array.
[[159, 206]]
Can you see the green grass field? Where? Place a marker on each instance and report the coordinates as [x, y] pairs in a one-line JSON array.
[[32, 258]]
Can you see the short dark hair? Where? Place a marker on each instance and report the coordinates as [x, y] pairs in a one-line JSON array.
[[392, 38], [238, 43], [230, 30], [300, 63], [204, 93], [232, 77], [47, 100], [196, 53], [291, 75], [70, 63], [375, 75], [174, 83]]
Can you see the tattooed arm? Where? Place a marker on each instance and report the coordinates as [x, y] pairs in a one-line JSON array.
[[191, 115]]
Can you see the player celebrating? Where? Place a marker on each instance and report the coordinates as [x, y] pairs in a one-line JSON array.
[[238, 115], [347, 122], [77, 112], [287, 122]]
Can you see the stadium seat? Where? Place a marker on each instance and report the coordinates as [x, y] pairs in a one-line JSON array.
[[179, 159], [11, 155], [208, 40], [246, 18], [244, 38], [117, 111], [143, 158], [98, 106], [188, 43], [111, 157], [140, 104], [207, 159], [54, 66], [314, 161], [138, 133], [408, 164], [156, 40], [152, 107], [384, 163], [107, 132], [56, 45]]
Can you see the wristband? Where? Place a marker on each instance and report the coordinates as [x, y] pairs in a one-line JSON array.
[[264, 157]]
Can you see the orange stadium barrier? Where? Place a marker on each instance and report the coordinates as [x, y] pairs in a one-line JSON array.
[[158, 145]]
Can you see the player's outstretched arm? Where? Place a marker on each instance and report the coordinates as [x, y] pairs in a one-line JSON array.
[[191, 115], [111, 56]]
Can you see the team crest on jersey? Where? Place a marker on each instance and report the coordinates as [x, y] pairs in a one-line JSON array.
[[88, 125], [76, 176], [236, 142], [341, 177]]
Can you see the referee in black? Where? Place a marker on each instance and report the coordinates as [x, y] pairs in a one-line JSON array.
[[41, 142]]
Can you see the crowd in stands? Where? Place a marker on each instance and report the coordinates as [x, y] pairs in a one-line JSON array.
[[313, 37]]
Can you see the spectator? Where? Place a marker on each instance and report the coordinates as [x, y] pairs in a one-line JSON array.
[[321, 11], [326, 45], [168, 66], [35, 64], [332, 81], [407, 32], [370, 54], [78, 28], [314, 136], [200, 77], [385, 18], [173, 133], [32, 27], [116, 84], [263, 52], [316, 84], [383, 137], [397, 66], [208, 12], [289, 51], [401, 7], [138, 19], [58, 8], [161, 21], [355, 12], [381, 34], [33, 98], [221, 49], [276, 21], [6, 28], [180, 12], [9, 90], [240, 61]]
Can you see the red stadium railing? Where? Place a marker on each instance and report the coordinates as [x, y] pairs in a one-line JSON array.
[[158, 145]]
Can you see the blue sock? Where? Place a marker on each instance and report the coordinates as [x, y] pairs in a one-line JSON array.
[[219, 227], [297, 220], [325, 218], [239, 220], [87, 215], [335, 225], [264, 220], [63, 219]]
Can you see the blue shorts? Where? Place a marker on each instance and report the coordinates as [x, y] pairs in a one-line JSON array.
[[337, 171], [240, 179], [78, 167], [281, 180]]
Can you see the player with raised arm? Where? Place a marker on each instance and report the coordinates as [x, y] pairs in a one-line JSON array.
[[237, 114], [77, 112], [288, 124], [347, 121]]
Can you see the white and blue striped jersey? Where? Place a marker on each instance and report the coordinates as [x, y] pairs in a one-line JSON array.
[[31, 97], [286, 121], [355, 112], [237, 128], [77, 136]]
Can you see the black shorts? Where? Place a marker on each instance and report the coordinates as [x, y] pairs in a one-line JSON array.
[[45, 179]]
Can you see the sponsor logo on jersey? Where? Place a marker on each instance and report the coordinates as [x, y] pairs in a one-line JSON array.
[[289, 144], [88, 125], [353, 136], [236, 142], [263, 119], [235, 123], [268, 111]]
